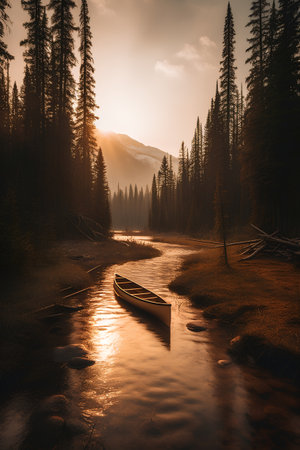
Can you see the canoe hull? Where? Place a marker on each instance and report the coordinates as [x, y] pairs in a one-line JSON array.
[[161, 311]]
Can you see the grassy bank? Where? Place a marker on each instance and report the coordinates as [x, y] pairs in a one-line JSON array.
[[258, 300]]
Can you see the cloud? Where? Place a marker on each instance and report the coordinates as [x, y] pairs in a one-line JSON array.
[[206, 42], [201, 66], [168, 69], [103, 7], [201, 56], [188, 52]]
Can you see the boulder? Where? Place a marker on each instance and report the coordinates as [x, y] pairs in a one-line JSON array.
[[196, 325], [80, 363], [56, 404], [75, 427], [66, 353], [235, 340], [224, 362], [54, 426]]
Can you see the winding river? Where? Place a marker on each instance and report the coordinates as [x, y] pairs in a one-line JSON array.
[[154, 388]]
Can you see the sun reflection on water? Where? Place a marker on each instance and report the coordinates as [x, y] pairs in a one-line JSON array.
[[105, 336]]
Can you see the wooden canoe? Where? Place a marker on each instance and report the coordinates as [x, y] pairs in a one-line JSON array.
[[142, 298]]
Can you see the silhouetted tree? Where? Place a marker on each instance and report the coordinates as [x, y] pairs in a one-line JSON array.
[[62, 31], [101, 208], [154, 209], [36, 56], [196, 179], [85, 142], [182, 190], [254, 155], [4, 54]]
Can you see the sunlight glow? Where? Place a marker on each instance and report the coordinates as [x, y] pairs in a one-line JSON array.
[[106, 338], [122, 114]]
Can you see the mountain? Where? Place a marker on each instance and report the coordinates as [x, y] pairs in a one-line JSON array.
[[129, 161]]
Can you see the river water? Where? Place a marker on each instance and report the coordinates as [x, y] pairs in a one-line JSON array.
[[155, 388]]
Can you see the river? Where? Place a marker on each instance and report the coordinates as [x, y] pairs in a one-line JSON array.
[[155, 388]]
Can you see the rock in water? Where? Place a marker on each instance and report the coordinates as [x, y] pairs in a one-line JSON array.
[[75, 427], [80, 363], [224, 362], [235, 340], [64, 354], [54, 404], [196, 325], [54, 426]]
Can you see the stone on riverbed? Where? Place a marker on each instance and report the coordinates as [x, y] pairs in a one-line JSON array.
[[196, 325], [75, 427], [80, 363], [235, 340], [55, 404], [54, 426], [66, 353], [224, 362]]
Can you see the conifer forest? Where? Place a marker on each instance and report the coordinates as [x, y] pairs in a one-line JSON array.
[[243, 162], [51, 167]]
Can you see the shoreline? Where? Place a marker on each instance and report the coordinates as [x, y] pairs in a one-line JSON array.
[[257, 301], [25, 335]]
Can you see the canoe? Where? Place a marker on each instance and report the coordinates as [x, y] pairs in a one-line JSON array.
[[142, 298]]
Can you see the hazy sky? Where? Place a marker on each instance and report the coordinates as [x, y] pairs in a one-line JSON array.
[[157, 62]]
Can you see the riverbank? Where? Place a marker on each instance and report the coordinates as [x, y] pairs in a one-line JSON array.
[[257, 300], [65, 269]]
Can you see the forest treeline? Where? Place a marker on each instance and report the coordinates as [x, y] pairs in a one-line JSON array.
[[51, 167], [130, 208], [244, 162]]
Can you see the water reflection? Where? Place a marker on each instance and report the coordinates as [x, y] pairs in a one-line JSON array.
[[162, 332]]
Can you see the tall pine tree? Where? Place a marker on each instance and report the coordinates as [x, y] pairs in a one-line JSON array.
[[62, 137], [101, 208], [85, 142]]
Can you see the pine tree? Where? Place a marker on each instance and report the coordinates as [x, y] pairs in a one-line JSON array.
[[227, 77], [28, 95], [62, 29], [255, 156], [101, 208], [85, 142], [283, 95], [154, 210], [196, 178], [4, 19], [15, 113], [45, 41], [217, 164], [4, 105], [52, 97], [36, 57], [258, 29], [163, 192], [182, 190], [62, 136], [228, 93]]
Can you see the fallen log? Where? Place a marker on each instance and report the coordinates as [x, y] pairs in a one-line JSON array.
[[272, 244]]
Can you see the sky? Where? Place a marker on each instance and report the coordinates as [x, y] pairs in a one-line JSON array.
[[156, 63]]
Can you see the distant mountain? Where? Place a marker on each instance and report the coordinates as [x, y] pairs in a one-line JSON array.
[[129, 161]]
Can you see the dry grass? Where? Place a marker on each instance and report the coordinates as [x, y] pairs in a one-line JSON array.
[[258, 297]]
